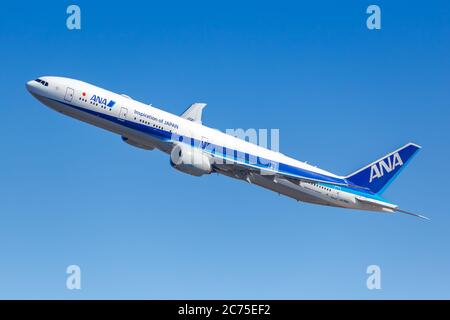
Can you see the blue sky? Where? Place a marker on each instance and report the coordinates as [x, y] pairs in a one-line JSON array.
[[340, 94]]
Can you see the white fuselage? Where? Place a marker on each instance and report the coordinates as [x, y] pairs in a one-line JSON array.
[[148, 127]]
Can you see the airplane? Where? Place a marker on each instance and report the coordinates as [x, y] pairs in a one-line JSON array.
[[198, 150]]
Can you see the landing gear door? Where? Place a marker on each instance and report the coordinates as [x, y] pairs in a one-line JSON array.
[[69, 94]]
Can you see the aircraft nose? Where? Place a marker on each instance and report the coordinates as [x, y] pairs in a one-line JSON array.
[[31, 85]]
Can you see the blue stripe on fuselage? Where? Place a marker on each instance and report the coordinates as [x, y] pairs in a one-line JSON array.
[[238, 156]]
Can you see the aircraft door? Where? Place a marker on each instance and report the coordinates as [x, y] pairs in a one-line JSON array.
[[123, 113], [69, 94]]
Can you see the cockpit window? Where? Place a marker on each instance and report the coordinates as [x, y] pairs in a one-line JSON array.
[[44, 83]]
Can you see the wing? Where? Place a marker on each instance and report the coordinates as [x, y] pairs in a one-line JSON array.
[[241, 169], [194, 112]]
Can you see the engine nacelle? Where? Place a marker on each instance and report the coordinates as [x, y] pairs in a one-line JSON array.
[[137, 144], [189, 160]]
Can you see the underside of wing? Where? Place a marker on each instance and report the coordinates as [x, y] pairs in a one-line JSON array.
[[290, 173]]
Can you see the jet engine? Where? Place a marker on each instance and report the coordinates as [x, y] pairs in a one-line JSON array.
[[190, 160]]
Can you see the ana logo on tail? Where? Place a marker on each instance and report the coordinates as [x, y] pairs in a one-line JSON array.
[[378, 169]]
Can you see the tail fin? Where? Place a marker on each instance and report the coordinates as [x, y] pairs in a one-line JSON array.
[[379, 174]]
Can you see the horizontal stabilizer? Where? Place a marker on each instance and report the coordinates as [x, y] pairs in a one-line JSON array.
[[413, 214]]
